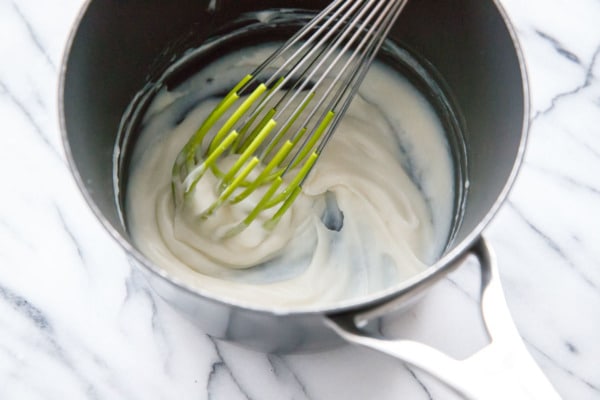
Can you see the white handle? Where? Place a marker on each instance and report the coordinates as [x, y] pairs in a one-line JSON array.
[[501, 370]]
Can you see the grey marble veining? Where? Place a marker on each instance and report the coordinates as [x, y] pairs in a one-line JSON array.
[[77, 322]]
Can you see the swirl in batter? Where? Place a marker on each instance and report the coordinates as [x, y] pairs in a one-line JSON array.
[[376, 209]]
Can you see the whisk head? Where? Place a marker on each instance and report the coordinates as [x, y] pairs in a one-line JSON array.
[[277, 120]]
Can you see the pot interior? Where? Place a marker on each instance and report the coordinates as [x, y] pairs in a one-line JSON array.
[[467, 50]]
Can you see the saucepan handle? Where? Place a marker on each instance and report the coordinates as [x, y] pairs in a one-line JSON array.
[[501, 370]]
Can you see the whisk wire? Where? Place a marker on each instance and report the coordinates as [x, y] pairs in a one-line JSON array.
[[380, 31], [286, 118], [307, 51], [335, 82], [297, 38]]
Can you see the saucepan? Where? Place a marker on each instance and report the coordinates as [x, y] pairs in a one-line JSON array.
[[118, 47]]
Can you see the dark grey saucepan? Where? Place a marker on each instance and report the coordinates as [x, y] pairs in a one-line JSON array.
[[117, 48]]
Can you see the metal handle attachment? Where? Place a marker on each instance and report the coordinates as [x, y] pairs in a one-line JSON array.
[[501, 370]]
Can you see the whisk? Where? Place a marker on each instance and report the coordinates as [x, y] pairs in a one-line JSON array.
[[283, 114]]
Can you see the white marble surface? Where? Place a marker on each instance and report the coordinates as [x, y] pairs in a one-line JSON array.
[[76, 322]]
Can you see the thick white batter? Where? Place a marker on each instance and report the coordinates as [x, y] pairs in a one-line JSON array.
[[376, 209]]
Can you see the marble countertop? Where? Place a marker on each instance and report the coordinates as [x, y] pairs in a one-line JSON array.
[[77, 322]]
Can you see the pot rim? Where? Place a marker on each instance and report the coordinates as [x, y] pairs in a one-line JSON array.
[[422, 280]]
